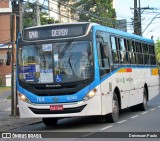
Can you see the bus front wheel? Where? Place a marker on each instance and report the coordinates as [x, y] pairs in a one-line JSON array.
[[50, 121], [113, 117]]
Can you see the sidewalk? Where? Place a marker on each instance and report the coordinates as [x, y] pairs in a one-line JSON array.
[[8, 122]]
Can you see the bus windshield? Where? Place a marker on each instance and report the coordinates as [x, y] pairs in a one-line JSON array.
[[59, 62]]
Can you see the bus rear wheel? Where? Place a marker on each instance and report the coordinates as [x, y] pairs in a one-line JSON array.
[[143, 105], [50, 121], [113, 117]]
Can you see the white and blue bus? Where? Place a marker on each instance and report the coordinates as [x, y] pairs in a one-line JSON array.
[[83, 69]]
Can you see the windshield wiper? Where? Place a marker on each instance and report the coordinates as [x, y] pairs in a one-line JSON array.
[[69, 61], [62, 53]]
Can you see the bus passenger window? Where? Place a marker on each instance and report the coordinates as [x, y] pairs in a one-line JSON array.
[[131, 50], [115, 57], [145, 48], [104, 55], [139, 58], [124, 57], [152, 60], [146, 60], [151, 49], [123, 53], [138, 47]]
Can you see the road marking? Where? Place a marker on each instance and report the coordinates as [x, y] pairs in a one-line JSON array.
[[122, 121], [152, 109], [134, 117], [107, 127], [144, 113]]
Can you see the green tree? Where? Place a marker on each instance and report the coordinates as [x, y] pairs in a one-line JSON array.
[[158, 50], [29, 15], [99, 11]]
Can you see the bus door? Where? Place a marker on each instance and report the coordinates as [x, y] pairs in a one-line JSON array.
[[104, 69]]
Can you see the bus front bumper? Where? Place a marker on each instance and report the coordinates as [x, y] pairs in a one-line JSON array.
[[82, 108]]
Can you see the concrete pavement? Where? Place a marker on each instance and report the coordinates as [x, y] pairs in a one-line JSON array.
[[8, 122]]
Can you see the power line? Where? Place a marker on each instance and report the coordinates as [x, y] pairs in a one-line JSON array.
[[85, 12], [44, 7]]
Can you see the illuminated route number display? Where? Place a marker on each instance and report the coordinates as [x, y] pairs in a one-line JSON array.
[[54, 32]]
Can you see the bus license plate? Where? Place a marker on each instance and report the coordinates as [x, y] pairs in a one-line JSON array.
[[56, 107]]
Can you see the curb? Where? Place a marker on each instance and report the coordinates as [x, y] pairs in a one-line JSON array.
[[2, 91], [11, 123]]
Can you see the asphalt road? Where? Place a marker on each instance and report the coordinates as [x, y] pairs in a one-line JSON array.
[[89, 127], [5, 104]]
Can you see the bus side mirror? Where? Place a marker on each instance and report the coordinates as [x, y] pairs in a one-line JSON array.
[[8, 62]]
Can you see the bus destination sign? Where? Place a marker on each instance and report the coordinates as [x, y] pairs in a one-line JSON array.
[[54, 32]]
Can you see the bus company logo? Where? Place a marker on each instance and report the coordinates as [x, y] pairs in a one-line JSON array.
[[53, 86], [55, 99]]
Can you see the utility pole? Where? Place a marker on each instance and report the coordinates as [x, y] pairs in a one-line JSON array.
[[20, 16], [17, 26], [135, 18], [37, 13], [139, 20], [13, 90]]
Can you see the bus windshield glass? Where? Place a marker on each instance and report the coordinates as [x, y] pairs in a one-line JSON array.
[[59, 62]]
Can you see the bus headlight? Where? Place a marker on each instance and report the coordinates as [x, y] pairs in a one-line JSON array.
[[91, 94], [23, 97]]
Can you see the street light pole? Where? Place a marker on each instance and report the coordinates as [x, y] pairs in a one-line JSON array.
[[150, 22]]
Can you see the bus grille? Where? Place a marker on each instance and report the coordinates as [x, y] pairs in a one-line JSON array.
[[65, 110]]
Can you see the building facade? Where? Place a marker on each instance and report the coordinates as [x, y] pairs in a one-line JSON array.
[[5, 40], [61, 11]]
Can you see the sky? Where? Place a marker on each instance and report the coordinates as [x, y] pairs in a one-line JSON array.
[[124, 11]]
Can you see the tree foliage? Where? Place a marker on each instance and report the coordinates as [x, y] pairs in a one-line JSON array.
[[99, 11], [158, 50], [29, 15]]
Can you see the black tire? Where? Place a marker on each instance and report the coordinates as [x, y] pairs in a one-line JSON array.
[[50, 121], [143, 105], [113, 117]]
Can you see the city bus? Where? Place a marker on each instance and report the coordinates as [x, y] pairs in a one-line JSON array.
[[83, 69]]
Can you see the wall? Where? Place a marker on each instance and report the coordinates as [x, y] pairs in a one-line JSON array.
[[5, 38]]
